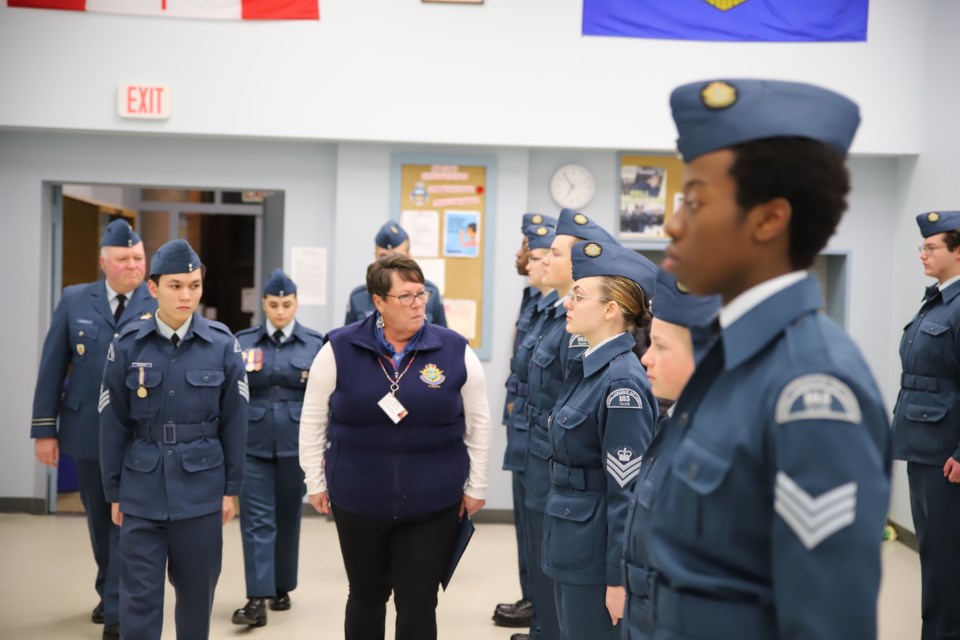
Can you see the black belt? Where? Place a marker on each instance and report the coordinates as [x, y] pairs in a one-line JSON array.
[[276, 394], [579, 478], [926, 383], [173, 433]]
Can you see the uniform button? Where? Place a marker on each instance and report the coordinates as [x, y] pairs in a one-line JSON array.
[[173, 359], [173, 393], [206, 378], [563, 419], [684, 419], [566, 511], [169, 452], [116, 335], [136, 461], [694, 470], [203, 460], [80, 333]]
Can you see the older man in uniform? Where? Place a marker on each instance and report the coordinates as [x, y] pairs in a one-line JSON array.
[[173, 430], [391, 238], [926, 424], [767, 523], [85, 321]]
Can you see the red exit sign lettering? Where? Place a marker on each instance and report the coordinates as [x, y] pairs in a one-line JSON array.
[[143, 101]]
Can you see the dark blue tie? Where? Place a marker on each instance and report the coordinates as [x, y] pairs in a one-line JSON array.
[[931, 292]]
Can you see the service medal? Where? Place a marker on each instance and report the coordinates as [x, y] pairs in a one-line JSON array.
[[142, 392], [252, 359]]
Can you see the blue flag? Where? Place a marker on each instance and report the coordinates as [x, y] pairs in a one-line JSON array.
[[732, 20]]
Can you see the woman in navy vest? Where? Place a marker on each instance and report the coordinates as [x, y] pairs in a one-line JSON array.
[[600, 427], [393, 441]]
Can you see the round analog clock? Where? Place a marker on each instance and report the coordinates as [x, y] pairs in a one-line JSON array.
[[572, 186]]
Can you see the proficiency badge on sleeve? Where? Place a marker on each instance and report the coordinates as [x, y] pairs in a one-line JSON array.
[[432, 375], [624, 399], [817, 396], [252, 359]]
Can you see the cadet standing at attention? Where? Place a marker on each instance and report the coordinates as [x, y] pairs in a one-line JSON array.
[[766, 523], [173, 430], [534, 225], [391, 238], [926, 424], [600, 427], [277, 355], [553, 349], [68, 383]]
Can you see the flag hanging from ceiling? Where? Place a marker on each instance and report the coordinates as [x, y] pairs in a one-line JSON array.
[[213, 9], [733, 20]]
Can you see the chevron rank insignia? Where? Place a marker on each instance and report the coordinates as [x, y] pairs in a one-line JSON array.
[[813, 520], [244, 388], [104, 399], [817, 396], [623, 465], [624, 399], [577, 341]]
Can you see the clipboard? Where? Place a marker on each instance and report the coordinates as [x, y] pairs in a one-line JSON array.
[[465, 530]]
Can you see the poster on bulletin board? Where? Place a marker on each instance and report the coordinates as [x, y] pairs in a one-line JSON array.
[[442, 205]]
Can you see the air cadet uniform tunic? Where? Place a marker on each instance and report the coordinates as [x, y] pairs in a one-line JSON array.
[[763, 519], [173, 428], [272, 500], [68, 384]]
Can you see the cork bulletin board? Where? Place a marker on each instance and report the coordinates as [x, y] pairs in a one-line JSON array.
[[444, 205]]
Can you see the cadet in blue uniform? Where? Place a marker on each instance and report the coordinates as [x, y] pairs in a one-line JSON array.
[[766, 523], [173, 429], [554, 347], [670, 363], [68, 383], [277, 356], [537, 236], [600, 427], [391, 238], [926, 423]]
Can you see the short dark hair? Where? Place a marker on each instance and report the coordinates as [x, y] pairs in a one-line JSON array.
[[379, 273], [810, 175], [952, 240]]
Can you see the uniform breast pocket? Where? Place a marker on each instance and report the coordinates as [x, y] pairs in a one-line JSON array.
[[301, 371], [543, 358], [936, 338], [928, 408], [142, 457], [205, 385], [145, 392], [83, 341], [574, 536], [255, 415], [696, 477], [203, 462]]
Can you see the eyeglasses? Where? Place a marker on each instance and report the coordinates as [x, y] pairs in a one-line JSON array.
[[577, 297], [406, 299], [929, 248]]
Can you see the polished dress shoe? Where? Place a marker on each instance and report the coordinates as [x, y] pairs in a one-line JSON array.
[[520, 636], [97, 614], [111, 632], [510, 606], [281, 602], [253, 614], [517, 615]]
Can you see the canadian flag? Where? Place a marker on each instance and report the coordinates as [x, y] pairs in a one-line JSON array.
[[215, 9]]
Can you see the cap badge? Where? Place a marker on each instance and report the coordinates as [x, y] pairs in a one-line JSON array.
[[933, 216], [542, 231], [129, 242], [281, 293], [592, 250], [580, 219], [682, 288], [189, 267], [537, 219], [719, 95], [393, 229]]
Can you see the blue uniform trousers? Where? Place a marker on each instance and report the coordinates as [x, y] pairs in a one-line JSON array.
[[582, 611], [519, 521], [935, 503], [546, 626], [104, 536], [189, 551], [271, 505]]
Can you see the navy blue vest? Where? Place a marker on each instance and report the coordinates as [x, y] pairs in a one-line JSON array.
[[380, 469]]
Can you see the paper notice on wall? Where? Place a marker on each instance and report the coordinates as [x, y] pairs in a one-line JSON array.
[[462, 317], [423, 227], [434, 270], [309, 271]]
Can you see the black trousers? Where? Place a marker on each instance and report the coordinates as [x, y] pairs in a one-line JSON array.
[[406, 556]]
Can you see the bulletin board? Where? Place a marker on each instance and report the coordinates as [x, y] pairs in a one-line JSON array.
[[443, 204]]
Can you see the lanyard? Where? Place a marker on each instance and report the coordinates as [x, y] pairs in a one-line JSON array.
[[395, 384]]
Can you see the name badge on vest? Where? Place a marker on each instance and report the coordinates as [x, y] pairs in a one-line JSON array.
[[392, 407]]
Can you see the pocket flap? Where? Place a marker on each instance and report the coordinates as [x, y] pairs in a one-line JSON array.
[[295, 410], [924, 413], [255, 413], [933, 328], [205, 377], [698, 467], [543, 357], [151, 378], [82, 331], [540, 448], [530, 341], [569, 417], [578, 508], [202, 459], [142, 457], [303, 365]]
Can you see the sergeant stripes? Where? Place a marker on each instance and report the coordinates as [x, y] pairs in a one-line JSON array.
[[814, 520]]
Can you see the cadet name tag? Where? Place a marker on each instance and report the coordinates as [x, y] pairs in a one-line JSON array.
[[624, 399]]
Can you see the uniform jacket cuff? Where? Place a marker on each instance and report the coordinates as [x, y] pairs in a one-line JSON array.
[[233, 488], [43, 432]]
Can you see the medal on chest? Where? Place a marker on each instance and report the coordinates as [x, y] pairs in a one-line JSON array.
[[142, 390], [252, 359]]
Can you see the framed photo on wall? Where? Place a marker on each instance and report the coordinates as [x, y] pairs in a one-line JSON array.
[[649, 194]]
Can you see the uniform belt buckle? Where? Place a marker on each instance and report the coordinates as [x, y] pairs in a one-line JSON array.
[[169, 434]]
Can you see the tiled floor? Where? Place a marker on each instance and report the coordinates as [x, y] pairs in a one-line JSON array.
[[47, 573]]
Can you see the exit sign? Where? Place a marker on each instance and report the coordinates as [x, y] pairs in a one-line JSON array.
[[143, 101]]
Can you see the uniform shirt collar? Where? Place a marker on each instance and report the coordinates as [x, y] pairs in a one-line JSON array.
[[287, 331], [607, 351], [943, 286], [547, 300], [111, 294], [756, 294], [167, 331], [592, 348]]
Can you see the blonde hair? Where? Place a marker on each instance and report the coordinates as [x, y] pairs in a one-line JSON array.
[[630, 297]]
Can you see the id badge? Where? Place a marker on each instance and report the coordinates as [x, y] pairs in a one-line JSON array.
[[392, 407]]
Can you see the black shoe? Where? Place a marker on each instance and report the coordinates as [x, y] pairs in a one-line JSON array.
[[97, 615], [511, 606], [253, 614], [520, 636], [111, 632], [519, 615], [281, 602]]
